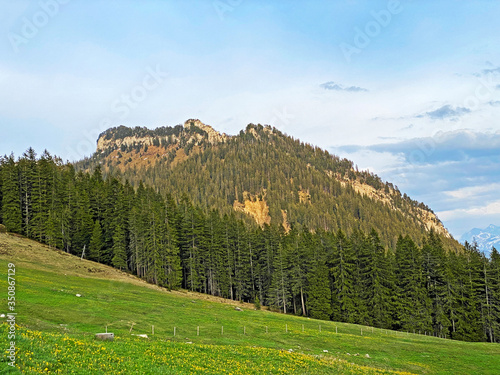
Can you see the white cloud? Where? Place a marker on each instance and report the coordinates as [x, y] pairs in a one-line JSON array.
[[491, 209], [473, 191]]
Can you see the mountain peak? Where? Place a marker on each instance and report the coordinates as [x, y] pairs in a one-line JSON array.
[[484, 238], [213, 135], [193, 132], [262, 174]]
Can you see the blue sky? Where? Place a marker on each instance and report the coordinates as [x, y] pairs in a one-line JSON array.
[[407, 89]]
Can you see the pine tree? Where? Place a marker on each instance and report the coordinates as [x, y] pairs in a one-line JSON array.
[[495, 294], [319, 293], [376, 274], [468, 325], [434, 269], [359, 245], [27, 175], [412, 302], [11, 201], [279, 281], [487, 300], [191, 227], [82, 214], [119, 249], [342, 271], [171, 260], [2, 162], [96, 242], [41, 190], [300, 265]]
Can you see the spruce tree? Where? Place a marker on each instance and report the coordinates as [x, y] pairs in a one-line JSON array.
[[495, 294], [279, 291], [119, 249], [11, 196], [342, 271], [319, 293], [413, 309], [434, 269], [376, 274], [96, 242]]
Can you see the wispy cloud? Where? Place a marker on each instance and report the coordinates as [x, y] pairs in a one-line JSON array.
[[472, 191], [443, 146], [490, 209], [339, 87], [445, 112], [491, 71], [455, 173]]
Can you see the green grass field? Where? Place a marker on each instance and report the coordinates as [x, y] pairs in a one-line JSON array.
[[56, 329]]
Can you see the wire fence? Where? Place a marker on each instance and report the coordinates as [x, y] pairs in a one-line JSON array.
[[211, 330]]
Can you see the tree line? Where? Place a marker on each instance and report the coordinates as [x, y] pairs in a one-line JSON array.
[[322, 274]]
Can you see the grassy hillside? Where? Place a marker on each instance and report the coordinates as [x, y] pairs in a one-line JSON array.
[[56, 329]]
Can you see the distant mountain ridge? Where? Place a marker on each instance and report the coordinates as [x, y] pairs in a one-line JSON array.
[[486, 238], [264, 175]]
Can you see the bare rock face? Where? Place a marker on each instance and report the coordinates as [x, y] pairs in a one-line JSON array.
[[214, 136], [254, 206], [426, 217], [146, 137]]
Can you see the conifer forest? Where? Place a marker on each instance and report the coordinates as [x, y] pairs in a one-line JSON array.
[[342, 274]]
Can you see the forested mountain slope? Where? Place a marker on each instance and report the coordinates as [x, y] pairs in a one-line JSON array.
[[321, 274], [265, 176]]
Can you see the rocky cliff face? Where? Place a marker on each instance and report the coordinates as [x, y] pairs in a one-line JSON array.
[[192, 132], [213, 135], [428, 218]]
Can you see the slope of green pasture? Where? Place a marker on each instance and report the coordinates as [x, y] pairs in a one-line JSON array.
[[57, 329]]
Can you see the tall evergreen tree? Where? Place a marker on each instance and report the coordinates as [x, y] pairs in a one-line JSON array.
[[319, 292], [27, 177], [119, 249], [377, 278], [342, 270], [11, 196], [279, 285], [96, 242], [413, 305]]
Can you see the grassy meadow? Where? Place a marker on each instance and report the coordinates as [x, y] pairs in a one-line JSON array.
[[55, 332]]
